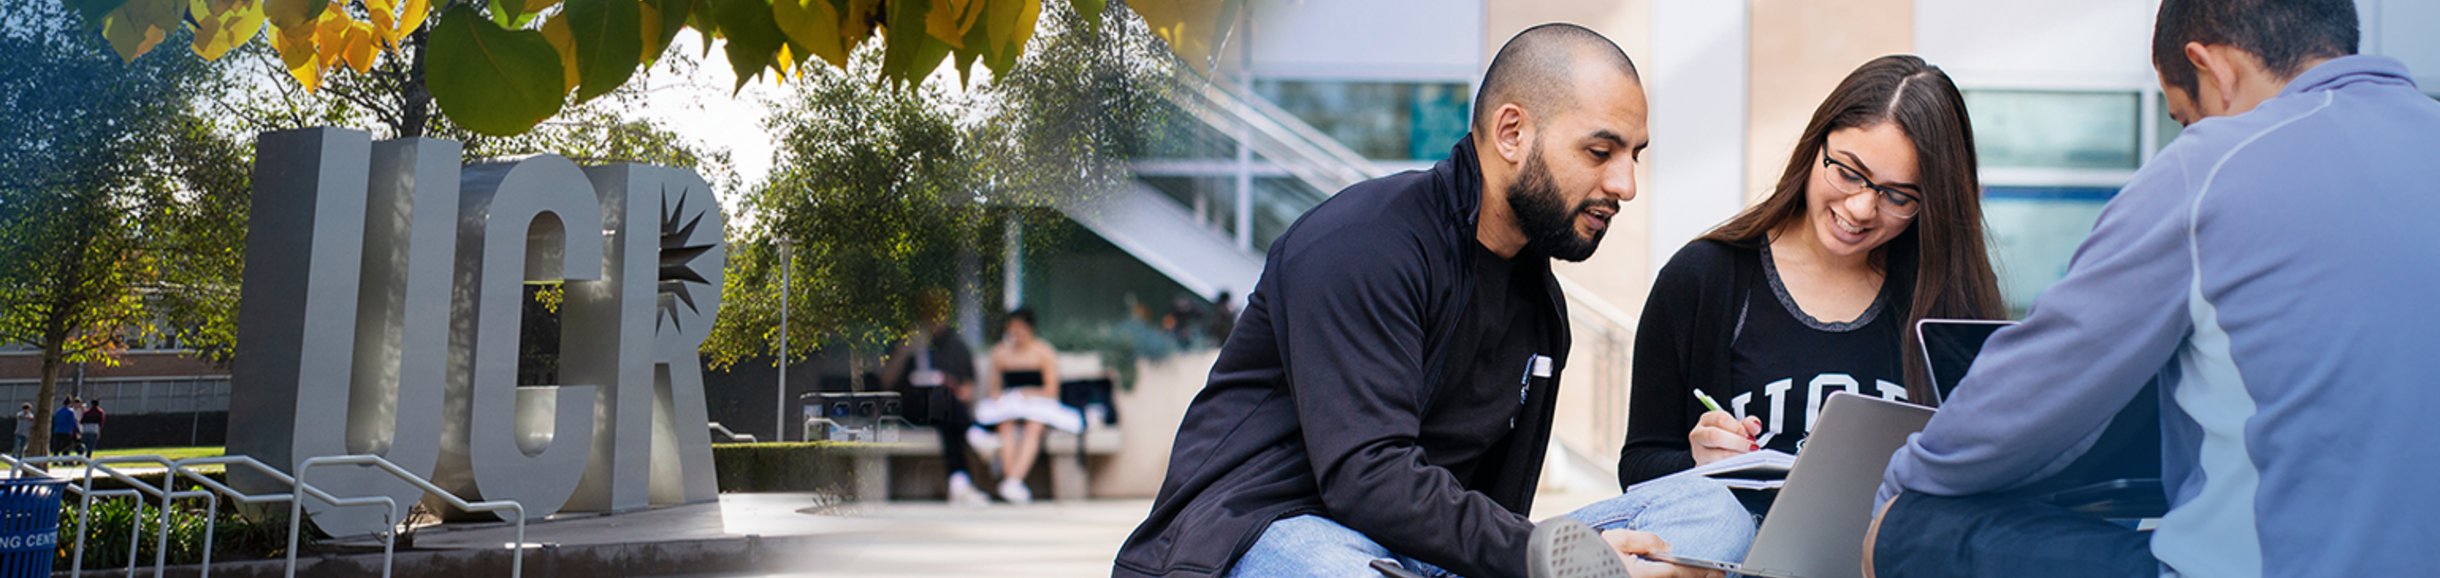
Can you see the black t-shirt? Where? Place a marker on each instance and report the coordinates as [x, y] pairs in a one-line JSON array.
[[1782, 362], [1503, 328]]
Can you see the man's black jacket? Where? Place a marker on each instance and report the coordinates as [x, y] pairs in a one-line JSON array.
[[1315, 403]]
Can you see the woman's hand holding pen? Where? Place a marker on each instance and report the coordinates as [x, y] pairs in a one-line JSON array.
[[1720, 436]]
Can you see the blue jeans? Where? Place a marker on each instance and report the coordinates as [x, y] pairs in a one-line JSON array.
[[1698, 517], [1992, 536]]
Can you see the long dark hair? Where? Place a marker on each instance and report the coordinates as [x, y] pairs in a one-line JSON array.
[[1942, 251]]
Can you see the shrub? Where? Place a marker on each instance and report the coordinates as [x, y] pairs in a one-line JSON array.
[[235, 537], [785, 467]]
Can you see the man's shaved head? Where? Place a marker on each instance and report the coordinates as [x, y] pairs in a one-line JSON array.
[[1539, 68]]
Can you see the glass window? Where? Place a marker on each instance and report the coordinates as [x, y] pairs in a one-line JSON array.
[[2167, 125], [2035, 231], [1380, 120], [2059, 130]]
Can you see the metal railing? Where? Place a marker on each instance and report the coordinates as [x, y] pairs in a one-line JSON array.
[[186, 468]]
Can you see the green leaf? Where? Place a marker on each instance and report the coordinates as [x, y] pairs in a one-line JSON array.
[[979, 46], [607, 48], [700, 13], [1012, 25], [505, 12], [492, 80], [280, 13], [673, 19], [927, 58], [1089, 10], [812, 27], [904, 38], [94, 10], [753, 38]]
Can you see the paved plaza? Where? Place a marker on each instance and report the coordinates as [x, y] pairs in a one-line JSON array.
[[925, 539]]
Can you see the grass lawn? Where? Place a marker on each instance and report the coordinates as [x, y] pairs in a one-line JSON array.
[[175, 453]]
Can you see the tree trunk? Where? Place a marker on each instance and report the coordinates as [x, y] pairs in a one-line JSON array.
[[417, 98], [38, 440]]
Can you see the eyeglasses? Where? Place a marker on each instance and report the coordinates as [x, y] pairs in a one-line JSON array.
[[1848, 180]]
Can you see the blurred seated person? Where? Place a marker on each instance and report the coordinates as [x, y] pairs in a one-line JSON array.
[[1022, 397], [935, 364]]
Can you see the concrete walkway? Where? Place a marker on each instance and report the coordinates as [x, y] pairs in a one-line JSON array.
[[930, 539], [794, 535]]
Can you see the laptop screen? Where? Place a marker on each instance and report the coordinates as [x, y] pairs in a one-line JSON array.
[[1949, 347]]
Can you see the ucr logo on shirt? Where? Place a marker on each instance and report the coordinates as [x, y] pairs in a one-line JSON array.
[[382, 307]]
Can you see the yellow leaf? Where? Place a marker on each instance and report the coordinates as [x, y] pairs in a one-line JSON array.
[[1012, 25], [950, 19], [135, 27], [410, 17], [562, 39], [330, 38], [650, 18], [297, 52], [292, 13], [207, 27], [812, 24], [785, 62], [360, 45], [1186, 25], [236, 23], [537, 6], [856, 22], [383, 13], [383, 22]]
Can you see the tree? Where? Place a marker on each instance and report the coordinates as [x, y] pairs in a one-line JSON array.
[[502, 66], [867, 186], [885, 191], [80, 170]]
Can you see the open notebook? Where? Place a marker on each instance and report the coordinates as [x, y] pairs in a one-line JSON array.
[[1756, 470]]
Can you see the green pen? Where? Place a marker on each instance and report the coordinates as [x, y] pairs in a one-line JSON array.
[[1710, 404]]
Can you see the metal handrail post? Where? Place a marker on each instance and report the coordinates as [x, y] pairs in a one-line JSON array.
[[240, 497], [516, 550], [167, 493]]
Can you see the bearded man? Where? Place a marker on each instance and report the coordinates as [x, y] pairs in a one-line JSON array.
[[1387, 395]]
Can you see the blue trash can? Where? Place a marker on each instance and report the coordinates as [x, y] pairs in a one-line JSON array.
[[29, 525]]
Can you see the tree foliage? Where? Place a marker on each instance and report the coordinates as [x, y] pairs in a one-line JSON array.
[[105, 191], [500, 67], [886, 194]]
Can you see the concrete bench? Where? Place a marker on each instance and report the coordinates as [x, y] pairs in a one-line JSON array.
[[1070, 479]]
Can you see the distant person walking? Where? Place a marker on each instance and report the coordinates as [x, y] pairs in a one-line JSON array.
[[25, 429], [63, 426], [91, 428]]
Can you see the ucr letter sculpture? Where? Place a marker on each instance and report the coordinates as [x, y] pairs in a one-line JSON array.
[[382, 307]]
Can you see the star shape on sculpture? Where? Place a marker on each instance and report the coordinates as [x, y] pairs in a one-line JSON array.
[[678, 275]]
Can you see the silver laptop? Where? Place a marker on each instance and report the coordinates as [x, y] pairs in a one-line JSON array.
[[1816, 526]]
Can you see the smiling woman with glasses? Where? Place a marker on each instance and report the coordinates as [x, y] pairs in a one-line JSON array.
[[1875, 223]]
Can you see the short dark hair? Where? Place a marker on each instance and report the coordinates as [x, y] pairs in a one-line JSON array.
[[1025, 314], [2283, 33], [1534, 69]]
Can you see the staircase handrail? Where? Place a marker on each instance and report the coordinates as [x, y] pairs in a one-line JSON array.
[[516, 557]]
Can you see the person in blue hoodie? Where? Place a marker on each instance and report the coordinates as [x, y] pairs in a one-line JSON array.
[[2273, 267]]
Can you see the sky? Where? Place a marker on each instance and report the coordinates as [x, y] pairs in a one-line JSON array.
[[701, 109]]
